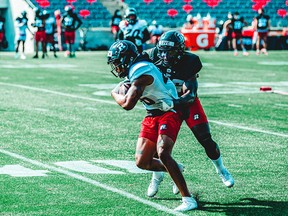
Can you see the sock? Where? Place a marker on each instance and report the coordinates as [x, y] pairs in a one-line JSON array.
[[218, 164], [157, 175]]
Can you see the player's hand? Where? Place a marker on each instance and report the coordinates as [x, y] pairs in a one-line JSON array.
[[184, 112]]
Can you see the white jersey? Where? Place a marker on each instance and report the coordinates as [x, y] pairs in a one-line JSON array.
[[21, 27], [133, 31], [158, 95]]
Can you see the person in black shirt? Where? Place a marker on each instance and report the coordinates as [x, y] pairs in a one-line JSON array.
[[40, 35], [2, 31], [115, 21], [237, 23], [70, 22], [262, 27]]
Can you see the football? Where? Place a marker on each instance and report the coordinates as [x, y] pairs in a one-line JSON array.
[[123, 88]]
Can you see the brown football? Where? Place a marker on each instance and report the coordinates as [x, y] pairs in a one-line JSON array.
[[123, 88]]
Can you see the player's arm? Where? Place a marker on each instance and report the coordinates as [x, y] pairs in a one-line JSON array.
[[79, 23], [226, 23], [120, 35], [146, 35], [130, 99], [191, 86]]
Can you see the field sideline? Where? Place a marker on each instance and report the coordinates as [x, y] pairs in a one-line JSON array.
[[67, 149]]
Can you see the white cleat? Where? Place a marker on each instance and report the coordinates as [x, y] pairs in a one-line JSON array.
[[23, 57], [174, 187], [189, 203], [154, 184], [227, 178]]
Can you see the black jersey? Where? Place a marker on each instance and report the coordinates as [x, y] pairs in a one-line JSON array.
[[186, 68], [262, 22], [237, 24], [69, 22], [2, 21], [39, 23]]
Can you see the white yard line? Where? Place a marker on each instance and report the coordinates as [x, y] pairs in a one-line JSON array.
[[248, 128], [112, 102], [93, 182]]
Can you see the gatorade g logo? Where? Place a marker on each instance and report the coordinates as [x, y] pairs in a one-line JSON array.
[[202, 40]]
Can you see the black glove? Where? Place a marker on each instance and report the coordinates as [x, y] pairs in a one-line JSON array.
[[182, 108], [184, 112]]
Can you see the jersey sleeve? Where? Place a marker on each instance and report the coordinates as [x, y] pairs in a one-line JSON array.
[[195, 65], [139, 69]]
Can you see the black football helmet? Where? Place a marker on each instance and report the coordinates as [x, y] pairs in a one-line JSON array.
[[171, 47], [121, 56], [131, 15], [68, 9]]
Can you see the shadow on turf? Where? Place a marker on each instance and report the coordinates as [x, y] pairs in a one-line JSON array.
[[247, 206]]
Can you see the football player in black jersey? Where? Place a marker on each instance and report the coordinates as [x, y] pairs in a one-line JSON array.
[[262, 27], [237, 23], [182, 68], [70, 22]]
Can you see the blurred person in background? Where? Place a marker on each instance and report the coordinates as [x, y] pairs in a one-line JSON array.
[[70, 22], [237, 22], [189, 24], [50, 28], [57, 15], [262, 24], [115, 21], [40, 34], [2, 32], [133, 29], [156, 31], [21, 24], [227, 30]]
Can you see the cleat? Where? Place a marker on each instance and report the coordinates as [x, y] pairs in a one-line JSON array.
[[235, 53], [67, 54], [154, 184], [264, 51], [227, 178], [174, 187], [16, 56], [55, 55], [257, 52], [35, 57], [189, 203], [23, 56], [245, 53]]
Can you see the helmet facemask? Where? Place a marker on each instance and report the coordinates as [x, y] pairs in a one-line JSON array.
[[131, 19], [118, 67], [171, 47], [168, 54], [131, 16]]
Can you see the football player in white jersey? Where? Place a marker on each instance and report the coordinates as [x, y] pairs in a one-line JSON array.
[[21, 24], [133, 29], [161, 124]]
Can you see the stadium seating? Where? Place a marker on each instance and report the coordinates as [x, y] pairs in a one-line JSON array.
[[99, 15], [157, 10]]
